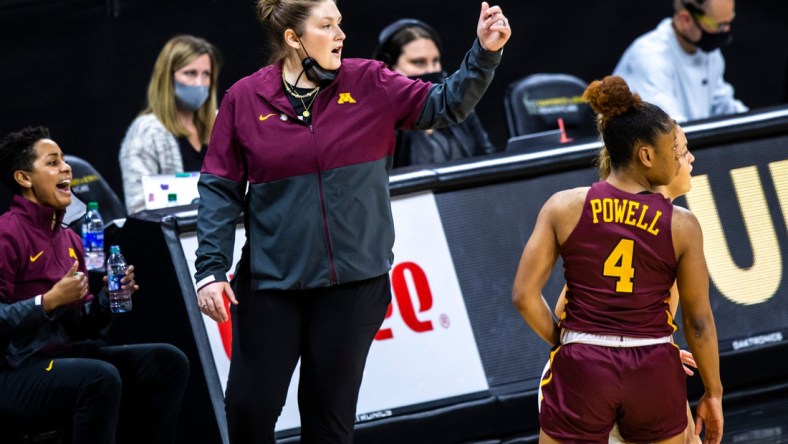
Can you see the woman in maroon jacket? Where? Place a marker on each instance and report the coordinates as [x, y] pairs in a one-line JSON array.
[[55, 370], [303, 147]]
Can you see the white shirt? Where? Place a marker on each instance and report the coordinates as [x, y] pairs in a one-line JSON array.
[[686, 86]]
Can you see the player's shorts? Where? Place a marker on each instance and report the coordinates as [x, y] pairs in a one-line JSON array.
[[589, 388], [615, 435]]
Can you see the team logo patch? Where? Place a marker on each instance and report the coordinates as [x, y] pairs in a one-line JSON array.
[[264, 118], [345, 98]]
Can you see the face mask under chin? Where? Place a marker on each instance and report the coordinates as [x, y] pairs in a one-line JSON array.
[[317, 74]]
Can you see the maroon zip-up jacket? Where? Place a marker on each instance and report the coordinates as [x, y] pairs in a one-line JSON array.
[[33, 258], [317, 210]]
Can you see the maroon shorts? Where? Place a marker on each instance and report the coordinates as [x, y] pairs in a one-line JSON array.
[[589, 388]]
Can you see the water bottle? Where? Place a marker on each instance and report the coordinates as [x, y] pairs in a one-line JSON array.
[[119, 297], [172, 200], [93, 238]]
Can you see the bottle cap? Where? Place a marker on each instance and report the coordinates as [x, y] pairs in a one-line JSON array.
[[92, 205], [172, 197], [114, 249]]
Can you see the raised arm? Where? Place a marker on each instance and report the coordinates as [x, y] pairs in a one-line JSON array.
[[451, 102]]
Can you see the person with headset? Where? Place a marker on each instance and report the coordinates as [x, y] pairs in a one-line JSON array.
[[304, 148], [412, 48]]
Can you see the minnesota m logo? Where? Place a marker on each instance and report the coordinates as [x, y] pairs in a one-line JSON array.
[[345, 98]]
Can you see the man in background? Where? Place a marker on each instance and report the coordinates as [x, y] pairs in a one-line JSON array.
[[679, 67]]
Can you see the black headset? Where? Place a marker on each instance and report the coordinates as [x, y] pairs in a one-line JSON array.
[[383, 51]]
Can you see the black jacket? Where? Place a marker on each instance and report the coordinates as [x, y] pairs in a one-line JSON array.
[[465, 139]]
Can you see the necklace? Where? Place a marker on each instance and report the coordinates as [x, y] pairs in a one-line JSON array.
[[291, 90], [306, 113]]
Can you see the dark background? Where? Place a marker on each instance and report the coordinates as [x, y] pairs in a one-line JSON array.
[[82, 67]]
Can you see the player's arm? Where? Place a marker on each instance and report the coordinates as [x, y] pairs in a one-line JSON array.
[[537, 261], [699, 329]]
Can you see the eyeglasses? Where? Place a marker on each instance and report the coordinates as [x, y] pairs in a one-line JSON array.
[[700, 17]]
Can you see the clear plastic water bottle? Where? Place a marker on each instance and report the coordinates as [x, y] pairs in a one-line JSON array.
[[93, 238], [119, 297]]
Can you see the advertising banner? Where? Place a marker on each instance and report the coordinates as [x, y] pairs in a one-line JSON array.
[[425, 352]]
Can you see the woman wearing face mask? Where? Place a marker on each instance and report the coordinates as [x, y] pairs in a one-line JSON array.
[[412, 48], [171, 134], [303, 147]]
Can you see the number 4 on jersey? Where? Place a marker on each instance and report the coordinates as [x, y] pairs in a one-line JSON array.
[[619, 264]]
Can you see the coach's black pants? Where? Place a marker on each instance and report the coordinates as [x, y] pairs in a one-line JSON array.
[[136, 389], [331, 329]]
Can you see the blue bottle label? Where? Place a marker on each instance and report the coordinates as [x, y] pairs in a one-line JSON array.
[[113, 282], [93, 240]]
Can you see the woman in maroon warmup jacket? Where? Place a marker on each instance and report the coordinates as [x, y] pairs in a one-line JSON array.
[[304, 147]]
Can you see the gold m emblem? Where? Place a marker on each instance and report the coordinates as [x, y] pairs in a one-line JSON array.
[[345, 98]]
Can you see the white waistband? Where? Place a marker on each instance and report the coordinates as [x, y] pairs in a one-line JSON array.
[[570, 336]]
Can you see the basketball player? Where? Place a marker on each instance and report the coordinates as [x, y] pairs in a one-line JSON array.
[[623, 248]]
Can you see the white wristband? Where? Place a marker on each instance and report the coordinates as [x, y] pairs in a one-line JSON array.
[[205, 281]]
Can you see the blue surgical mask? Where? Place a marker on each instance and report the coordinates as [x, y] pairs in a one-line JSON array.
[[191, 97]]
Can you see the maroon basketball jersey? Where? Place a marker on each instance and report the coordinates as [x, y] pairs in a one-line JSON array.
[[619, 265]]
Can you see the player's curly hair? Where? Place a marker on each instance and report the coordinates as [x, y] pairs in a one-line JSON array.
[[624, 120]]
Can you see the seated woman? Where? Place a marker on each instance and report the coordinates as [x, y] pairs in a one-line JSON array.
[[171, 134], [412, 48], [54, 369]]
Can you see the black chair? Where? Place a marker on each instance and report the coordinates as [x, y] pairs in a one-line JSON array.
[[88, 185], [535, 103]]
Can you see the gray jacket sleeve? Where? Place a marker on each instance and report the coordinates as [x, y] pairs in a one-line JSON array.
[[20, 315], [221, 202], [451, 102]]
